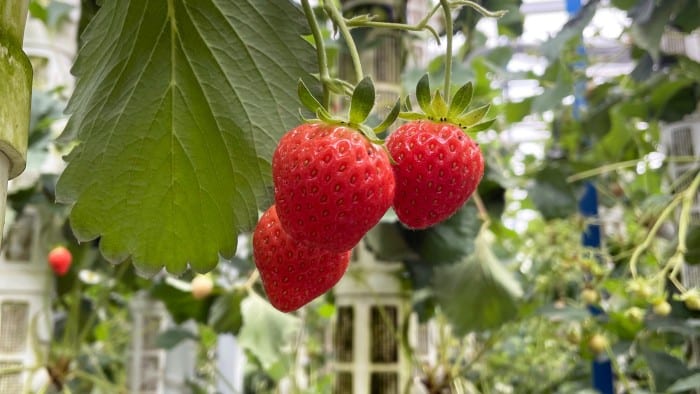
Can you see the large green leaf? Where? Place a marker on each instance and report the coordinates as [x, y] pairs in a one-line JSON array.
[[178, 108], [665, 368], [478, 293]]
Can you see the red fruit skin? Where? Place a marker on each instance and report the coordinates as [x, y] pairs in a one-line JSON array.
[[60, 260], [293, 273], [437, 167], [331, 185]]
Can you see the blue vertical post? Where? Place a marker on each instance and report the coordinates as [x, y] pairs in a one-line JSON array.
[[588, 206]]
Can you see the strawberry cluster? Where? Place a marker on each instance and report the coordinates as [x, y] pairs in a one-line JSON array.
[[334, 181]]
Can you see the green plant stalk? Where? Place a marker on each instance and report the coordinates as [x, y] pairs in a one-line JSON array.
[[448, 50], [398, 26], [103, 297], [652, 234], [339, 22], [676, 261], [320, 52], [483, 11]]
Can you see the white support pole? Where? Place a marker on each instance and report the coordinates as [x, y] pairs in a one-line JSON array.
[[230, 363]]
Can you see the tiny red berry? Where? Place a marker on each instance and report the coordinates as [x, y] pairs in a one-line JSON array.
[[293, 273], [331, 185], [60, 260], [437, 167]]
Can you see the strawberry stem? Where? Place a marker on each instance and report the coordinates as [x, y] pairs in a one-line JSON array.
[[324, 75], [339, 22], [448, 51]]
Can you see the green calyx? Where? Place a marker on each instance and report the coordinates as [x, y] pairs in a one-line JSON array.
[[457, 112], [361, 105]]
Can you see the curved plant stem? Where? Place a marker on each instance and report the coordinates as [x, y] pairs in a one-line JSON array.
[[652, 234], [448, 51], [483, 11], [323, 72], [398, 26], [339, 22], [248, 285]]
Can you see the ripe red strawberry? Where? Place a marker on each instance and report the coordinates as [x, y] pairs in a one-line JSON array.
[[331, 185], [293, 273], [437, 168], [60, 260]]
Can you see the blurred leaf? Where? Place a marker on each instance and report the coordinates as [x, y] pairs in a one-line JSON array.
[[567, 314], [225, 313], [181, 305], [553, 95], [449, 241], [551, 194], [688, 19], [172, 337], [478, 293], [553, 47], [386, 241], [265, 331], [685, 384], [516, 111], [665, 368], [646, 33]]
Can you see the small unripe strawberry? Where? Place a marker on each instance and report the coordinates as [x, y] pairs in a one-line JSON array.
[[662, 308], [598, 343], [589, 296], [202, 285], [693, 303], [634, 314], [60, 260]]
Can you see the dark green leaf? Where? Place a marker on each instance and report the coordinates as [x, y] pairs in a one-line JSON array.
[[172, 337], [307, 99], [552, 195], [478, 293], [387, 243], [451, 240], [665, 368], [225, 312], [390, 119], [685, 384], [362, 101], [646, 33], [177, 120], [265, 330], [423, 95], [461, 100]]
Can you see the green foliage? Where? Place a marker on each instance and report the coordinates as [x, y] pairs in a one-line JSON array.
[[177, 126], [478, 293]]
